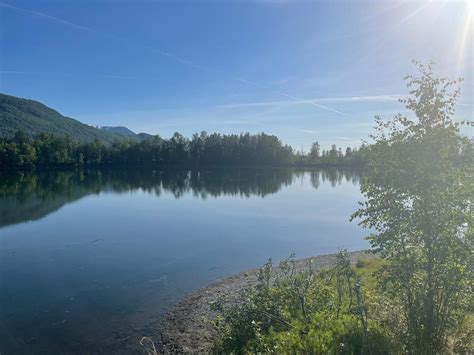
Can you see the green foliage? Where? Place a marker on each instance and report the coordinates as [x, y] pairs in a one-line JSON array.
[[32, 117], [335, 156], [294, 310], [419, 191], [47, 150]]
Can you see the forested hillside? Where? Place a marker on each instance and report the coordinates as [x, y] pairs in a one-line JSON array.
[[119, 130], [33, 118]]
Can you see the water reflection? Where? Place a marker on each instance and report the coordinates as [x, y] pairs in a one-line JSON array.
[[119, 248], [28, 196]]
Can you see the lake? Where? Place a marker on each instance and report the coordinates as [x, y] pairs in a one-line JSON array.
[[87, 257]]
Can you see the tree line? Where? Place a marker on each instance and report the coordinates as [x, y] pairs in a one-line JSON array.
[[48, 150]]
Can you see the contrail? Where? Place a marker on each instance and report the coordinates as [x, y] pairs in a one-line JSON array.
[[91, 30], [314, 104], [49, 17], [176, 58], [294, 98]]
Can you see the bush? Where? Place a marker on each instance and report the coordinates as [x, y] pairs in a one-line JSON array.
[[305, 311]]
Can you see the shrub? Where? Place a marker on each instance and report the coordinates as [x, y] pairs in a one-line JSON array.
[[305, 311]]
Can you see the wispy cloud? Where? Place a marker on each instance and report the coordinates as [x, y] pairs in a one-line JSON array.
[[315, 101], [344, 138], [369, 98], [309, 131], [338, 140], [15, 72], [293, 99]]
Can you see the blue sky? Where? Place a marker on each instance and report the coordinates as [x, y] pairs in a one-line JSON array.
[[303, 70]]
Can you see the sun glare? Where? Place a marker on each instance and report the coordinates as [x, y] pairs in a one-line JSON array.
[[470, 6], [466, 34]]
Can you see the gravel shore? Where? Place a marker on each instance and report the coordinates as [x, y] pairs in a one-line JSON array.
[[187, 328]]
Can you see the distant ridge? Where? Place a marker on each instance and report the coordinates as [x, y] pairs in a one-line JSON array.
[[33, 118], [120, 130]]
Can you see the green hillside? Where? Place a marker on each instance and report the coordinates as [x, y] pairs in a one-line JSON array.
[[120, 130], [33, 117]]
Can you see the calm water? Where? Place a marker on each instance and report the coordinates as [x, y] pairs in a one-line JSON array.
[[87, 257]]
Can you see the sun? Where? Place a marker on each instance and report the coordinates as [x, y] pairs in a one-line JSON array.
[[470, 7]]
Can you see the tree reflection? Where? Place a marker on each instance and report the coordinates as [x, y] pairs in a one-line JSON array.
[[27, 196]]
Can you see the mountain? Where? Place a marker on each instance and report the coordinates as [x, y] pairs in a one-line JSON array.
[[120, 130], [126, 132], [144, 136], [33, 117]]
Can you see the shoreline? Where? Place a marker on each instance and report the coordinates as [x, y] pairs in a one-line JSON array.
[[186, 328]]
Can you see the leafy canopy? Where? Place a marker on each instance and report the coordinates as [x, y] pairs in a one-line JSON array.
[[419, 191]]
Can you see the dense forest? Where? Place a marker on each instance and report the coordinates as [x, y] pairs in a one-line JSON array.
[[49, 150]]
